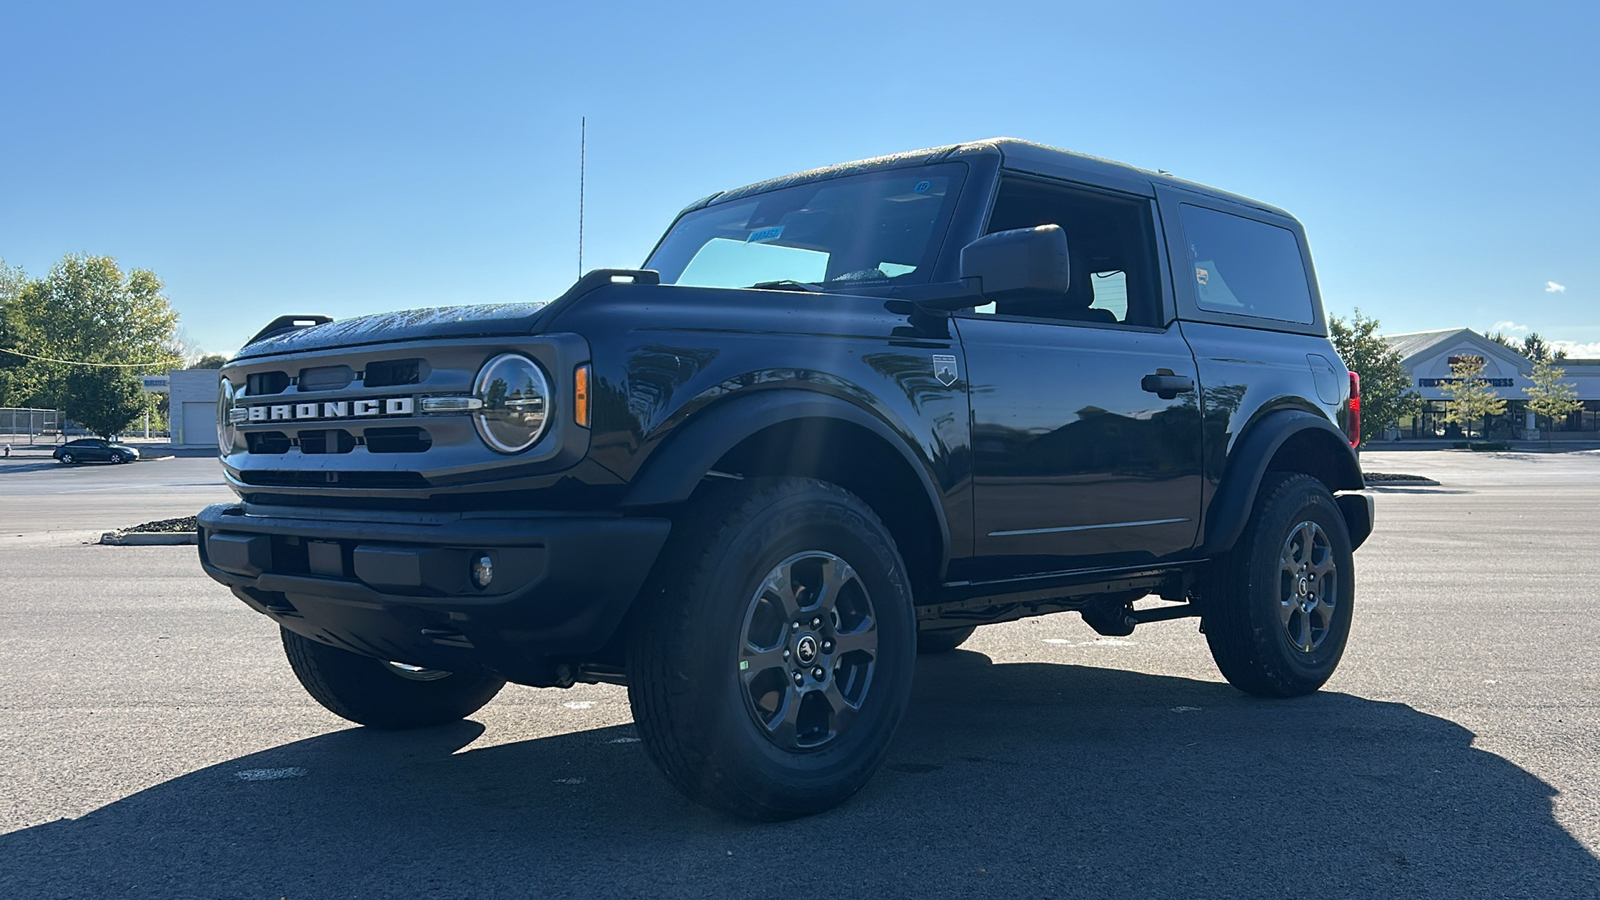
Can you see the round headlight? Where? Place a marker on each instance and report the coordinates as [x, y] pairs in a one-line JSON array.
[[516, 400], [226, 393]]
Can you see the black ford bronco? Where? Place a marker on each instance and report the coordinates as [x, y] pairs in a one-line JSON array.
[[836, 418]]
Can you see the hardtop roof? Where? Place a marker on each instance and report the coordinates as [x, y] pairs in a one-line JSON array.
[[1015, 154]]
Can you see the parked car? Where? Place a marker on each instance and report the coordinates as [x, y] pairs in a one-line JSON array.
[[94, 450], [836, 419]]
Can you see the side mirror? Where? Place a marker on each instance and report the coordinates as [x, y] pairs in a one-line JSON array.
[[1019, 261]]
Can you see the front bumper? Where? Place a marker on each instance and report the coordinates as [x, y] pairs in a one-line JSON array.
[[399, 587]]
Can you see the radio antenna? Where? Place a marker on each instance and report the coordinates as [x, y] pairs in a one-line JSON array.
[[583, 148]]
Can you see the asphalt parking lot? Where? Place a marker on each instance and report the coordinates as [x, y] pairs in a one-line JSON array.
[[153, 742]]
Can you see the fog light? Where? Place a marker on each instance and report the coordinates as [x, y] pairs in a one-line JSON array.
[[482, 571]]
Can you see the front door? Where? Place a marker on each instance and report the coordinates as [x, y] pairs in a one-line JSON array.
[[1086, 431]]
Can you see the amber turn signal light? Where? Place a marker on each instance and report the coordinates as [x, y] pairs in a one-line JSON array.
[[580, 395]]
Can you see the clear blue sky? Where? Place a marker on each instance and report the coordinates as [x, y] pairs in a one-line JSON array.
[[350, 158]]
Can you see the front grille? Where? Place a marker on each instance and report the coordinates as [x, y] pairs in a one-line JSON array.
[[266, 383], [390, 372], [326, 440], [282, 478], [325, 378], [321, 441], [398, 440], [267, 442]]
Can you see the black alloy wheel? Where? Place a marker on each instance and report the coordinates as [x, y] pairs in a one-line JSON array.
[[770, 659], [809, 650], [1277, 609]]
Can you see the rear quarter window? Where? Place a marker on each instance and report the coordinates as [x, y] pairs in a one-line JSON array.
[[1246, 267]]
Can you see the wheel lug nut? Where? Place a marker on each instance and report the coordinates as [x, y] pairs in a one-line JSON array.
[[795, 625], [785, 654], [798, 678], [816, 622], [827, 646], [817, 672]]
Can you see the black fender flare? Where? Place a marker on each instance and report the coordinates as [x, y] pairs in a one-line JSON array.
[[1230, 507], [670, 474]]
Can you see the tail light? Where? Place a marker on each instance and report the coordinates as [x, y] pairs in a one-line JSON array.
[[1352, 411]]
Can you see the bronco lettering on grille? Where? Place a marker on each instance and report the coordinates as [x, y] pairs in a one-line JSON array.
[[332, 409]]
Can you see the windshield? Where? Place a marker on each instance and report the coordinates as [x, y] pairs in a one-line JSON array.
[[854, 231]]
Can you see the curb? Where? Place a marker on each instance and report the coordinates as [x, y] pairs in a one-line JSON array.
[[148, 538]]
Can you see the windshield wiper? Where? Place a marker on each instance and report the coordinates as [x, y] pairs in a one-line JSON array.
[[789, 284]]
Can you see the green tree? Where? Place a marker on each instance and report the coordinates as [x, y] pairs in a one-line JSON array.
[[1386, 394], [210, 361], [1471, 397], [1500, 337], [1550, 396], [12, 281], [103, 400], [86, 310], [1534, 347]]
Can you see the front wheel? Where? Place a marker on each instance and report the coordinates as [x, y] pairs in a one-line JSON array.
[[1278, 607], [772, 659], [118, 459], [384, 694]]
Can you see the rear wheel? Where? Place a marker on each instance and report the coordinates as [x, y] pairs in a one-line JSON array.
[[943, 640], [68, 459], [772, 659], [1277, 612], [383, 694]]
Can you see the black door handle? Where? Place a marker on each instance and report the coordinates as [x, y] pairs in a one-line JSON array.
[[1166, 385]]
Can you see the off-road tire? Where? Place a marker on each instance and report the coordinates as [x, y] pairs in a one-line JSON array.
[[370, 692], [1245, 593], [943, 640], [689, 700]]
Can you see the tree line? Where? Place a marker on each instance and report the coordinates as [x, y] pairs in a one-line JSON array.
[[1387, 395], [78, 339]]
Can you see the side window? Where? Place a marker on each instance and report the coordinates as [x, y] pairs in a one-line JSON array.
[[1245, 267], [1112, 242]]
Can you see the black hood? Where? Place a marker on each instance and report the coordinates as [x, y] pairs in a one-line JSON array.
[[410, 324]]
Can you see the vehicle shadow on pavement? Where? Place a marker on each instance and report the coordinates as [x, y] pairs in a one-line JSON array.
[[11, 467], [1023, 779]]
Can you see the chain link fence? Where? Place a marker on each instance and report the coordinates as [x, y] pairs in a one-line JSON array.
[[29, 426]]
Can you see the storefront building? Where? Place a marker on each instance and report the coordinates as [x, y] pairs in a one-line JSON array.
[[1428, 356]]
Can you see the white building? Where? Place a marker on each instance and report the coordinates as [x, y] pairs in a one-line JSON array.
[[192, 410], [1428, 355]]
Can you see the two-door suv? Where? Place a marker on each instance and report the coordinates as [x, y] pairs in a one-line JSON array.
[[835, 418]]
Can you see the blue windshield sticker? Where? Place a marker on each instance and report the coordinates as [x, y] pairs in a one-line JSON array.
[[923, 186], [764, 235]]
